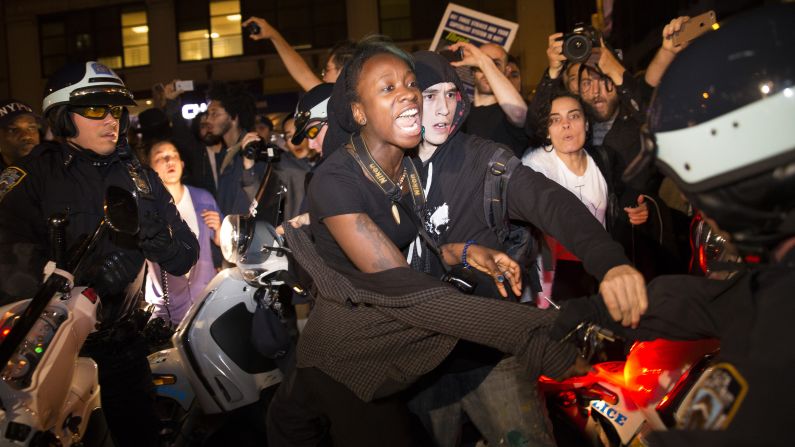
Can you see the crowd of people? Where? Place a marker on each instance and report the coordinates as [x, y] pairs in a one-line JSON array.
[[438, 229]]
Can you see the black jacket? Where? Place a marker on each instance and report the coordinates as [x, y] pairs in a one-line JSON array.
[[59, 178], [455, 175]]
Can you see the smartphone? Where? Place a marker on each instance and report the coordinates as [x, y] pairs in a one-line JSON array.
[[184, 86], [452, 56], [695, 27]]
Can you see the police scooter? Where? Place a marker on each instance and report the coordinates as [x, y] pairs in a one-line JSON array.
[[50, 395], [618, 403], [215, 367]]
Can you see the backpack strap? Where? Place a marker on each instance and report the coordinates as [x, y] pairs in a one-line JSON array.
[[495, 191]]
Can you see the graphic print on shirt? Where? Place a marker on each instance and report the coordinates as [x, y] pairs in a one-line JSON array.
[[437, 220]]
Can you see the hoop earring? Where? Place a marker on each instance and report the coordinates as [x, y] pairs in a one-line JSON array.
[[422, 132], [549, 148]]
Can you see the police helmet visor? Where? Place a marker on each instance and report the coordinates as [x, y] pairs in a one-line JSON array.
[[98, 112]]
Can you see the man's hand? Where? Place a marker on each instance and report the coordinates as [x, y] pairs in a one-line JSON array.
[[266, 31], [624, 293], [171, 91], [668, 34], [213, 221], [296, 222], [555, 55], [640, 214], [472, 56], [609, 64], [155, 238], [247, 139]]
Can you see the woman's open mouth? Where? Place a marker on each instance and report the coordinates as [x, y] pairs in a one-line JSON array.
[[409, 121]]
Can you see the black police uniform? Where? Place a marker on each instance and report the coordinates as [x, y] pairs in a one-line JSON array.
[[59, 178]]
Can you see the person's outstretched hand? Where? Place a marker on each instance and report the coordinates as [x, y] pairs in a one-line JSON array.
[[623, 290], [266, 31]]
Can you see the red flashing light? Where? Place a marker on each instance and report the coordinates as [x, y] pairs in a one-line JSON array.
[[6, 331], [753, 259]]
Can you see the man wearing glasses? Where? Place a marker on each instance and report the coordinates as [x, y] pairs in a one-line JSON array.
[[311, 117], [19, 131], [85, 104]]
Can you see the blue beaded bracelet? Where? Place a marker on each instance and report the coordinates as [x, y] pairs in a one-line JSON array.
[[464, 253]]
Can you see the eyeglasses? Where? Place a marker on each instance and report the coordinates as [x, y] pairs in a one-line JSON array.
[[98, 112], [312, 132], [587, 84]]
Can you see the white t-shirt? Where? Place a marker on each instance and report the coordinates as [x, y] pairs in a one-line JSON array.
[[590, 188], [187, 212]]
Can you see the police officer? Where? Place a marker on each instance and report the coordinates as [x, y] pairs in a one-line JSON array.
[[720, 127], [85, 105]]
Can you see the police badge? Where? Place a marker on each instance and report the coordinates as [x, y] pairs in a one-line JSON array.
[[9, 179]]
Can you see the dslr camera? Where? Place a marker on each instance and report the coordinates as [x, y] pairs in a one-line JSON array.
[[262, 151], [578, 44]]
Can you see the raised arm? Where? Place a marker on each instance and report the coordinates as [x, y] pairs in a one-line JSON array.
[[508, 98], [667, 52], [296, 65]]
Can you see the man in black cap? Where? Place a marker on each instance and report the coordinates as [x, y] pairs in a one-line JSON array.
[[19, 131]]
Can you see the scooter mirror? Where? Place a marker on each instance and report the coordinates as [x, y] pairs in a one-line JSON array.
[[121, 210]]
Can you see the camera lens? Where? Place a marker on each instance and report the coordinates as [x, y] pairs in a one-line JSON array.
[[577, 48]]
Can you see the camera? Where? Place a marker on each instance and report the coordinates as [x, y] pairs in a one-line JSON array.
[[261, 151], [578, 44], [462, 279], [251, 29]]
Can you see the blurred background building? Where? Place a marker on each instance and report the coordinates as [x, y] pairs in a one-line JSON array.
[[152, 41]]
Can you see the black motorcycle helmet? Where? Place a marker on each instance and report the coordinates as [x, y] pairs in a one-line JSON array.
[[83, 84], [721, 127]]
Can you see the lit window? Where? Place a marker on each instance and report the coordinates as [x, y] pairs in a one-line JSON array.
[[223, 38], [135, 38], [225, 32], [194, 45]]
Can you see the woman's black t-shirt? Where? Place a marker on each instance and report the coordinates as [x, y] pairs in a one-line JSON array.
[[339, 186]]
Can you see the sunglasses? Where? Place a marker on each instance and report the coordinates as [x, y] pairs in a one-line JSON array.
[[98, 112], [312, 132]]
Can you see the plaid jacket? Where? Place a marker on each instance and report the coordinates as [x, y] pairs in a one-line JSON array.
[[377, 344]]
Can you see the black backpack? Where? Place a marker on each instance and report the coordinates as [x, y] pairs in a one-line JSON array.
[[518, 241]]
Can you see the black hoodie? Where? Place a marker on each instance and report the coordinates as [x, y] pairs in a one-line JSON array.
[[454, 178]]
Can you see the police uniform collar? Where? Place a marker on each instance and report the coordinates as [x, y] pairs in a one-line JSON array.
[[75, 150]]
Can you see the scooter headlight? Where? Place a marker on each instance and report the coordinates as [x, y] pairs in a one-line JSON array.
[[236, 232]]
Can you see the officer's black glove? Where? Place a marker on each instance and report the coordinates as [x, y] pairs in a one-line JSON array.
[[155, 239], [112, 274]]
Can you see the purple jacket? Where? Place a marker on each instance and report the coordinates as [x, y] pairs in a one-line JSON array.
[[184, 291]]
